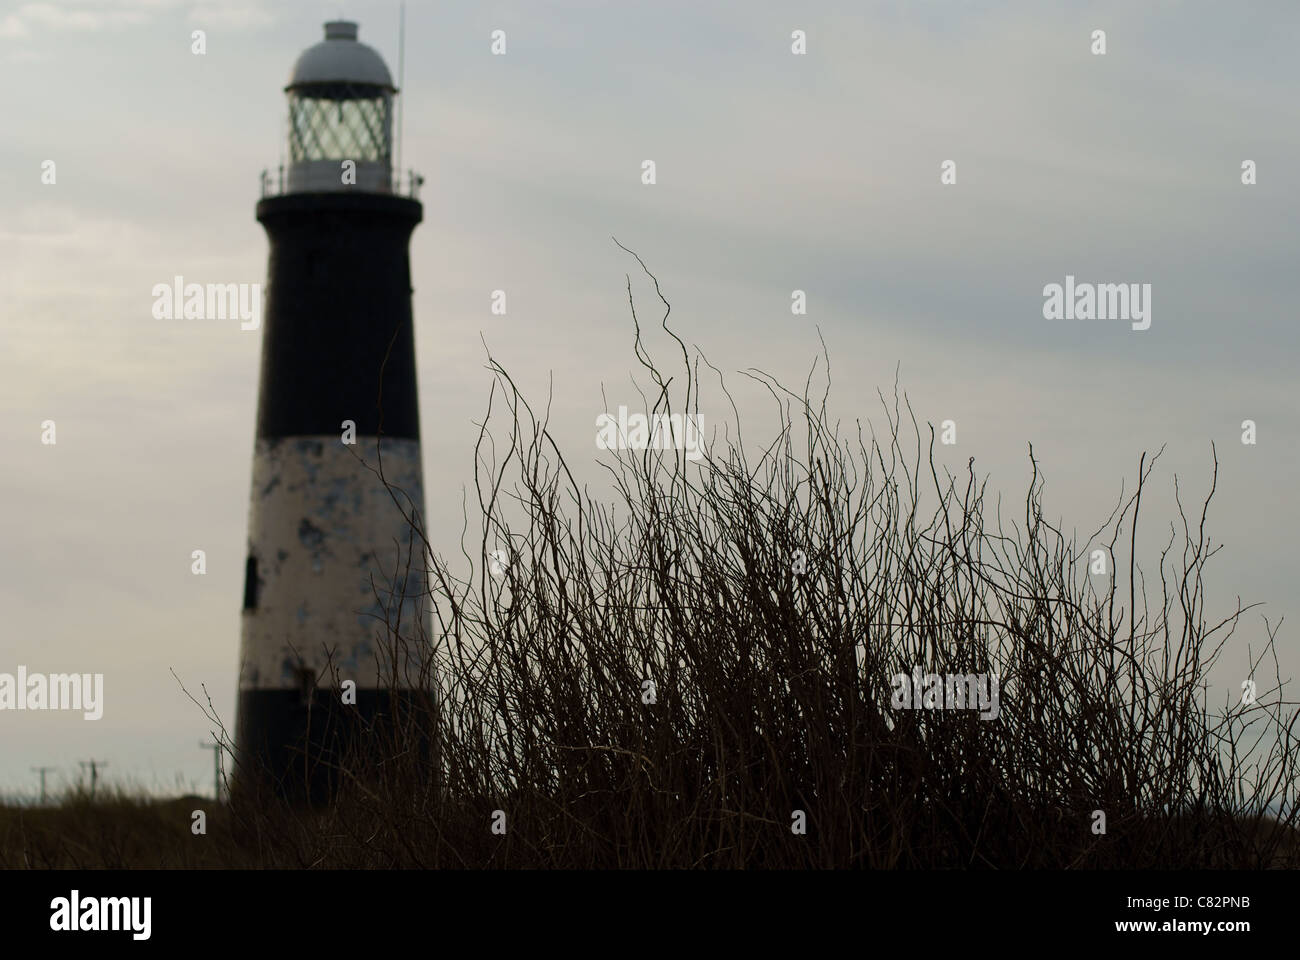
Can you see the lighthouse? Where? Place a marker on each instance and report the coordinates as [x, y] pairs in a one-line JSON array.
[[334, 582]]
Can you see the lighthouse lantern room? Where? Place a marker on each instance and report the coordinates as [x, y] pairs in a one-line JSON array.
[[340, 108]]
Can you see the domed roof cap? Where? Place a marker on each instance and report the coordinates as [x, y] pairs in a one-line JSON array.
[[341, 59]]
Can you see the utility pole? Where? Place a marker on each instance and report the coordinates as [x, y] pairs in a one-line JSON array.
[[216, 768], [94, 772], [42, 771]]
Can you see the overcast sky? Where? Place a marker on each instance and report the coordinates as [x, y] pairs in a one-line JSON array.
[[775, 172]]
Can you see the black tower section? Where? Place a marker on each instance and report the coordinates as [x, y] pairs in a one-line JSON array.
[[338, 310]]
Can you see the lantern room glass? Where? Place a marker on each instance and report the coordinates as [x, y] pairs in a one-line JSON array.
[[340, 123]]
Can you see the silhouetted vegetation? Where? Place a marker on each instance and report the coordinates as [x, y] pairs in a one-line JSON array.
[[662, 680]]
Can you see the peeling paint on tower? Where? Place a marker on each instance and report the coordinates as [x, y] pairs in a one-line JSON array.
[[321, 527]]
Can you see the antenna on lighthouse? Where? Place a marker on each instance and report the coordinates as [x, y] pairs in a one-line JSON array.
[[401, 87]]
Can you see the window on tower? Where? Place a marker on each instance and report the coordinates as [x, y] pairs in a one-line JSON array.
[[250, 583]]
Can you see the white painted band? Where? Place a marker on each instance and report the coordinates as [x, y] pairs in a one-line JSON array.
[[321, 525]]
